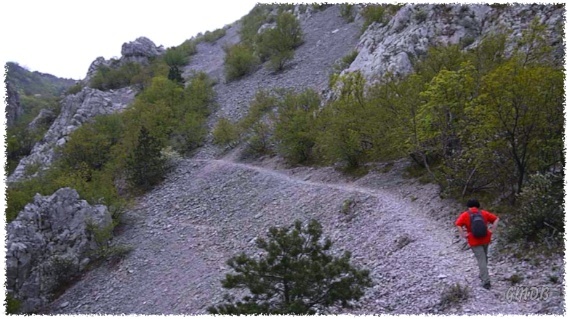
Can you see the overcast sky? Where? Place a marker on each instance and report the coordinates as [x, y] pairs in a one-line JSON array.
[[63, 37]]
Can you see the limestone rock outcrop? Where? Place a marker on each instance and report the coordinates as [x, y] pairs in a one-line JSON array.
[[48, 243], [137, 51], [391, 46], [140, 48], [76, 110]]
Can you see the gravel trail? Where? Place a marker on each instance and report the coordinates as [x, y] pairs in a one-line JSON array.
[[210, 208]]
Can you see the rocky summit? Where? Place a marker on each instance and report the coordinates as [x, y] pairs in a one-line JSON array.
[[215, 202]]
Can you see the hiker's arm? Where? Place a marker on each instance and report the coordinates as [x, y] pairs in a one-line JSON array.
[[462, 233], [494, 225]]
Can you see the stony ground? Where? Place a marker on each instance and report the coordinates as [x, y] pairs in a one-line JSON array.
[[212, 206], [208, 210]]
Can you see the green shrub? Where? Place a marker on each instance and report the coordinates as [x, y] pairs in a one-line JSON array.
[[225, 133], [19, 144], [213, 36], [345, 137], [346, 11], [20, 193], [251, 23], [263, 101], [176, 57], [62, 271], [13, 305], [259, 140], [107, 78], [539, 215], [453, 295], [420, 16], [372, 13], [188, 47], [189, 133], [515, 279], [90, 145], [320, 6], [296, 275], [75, 89], [239, 61], [341, 65]]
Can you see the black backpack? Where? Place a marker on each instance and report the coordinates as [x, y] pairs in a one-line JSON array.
[[478, 224]]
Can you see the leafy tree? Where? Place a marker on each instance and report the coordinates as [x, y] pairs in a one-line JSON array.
[[296, 275], [520, 111], [343, 136], [295, 126], [278, 44], [146, 166], [372, 13]]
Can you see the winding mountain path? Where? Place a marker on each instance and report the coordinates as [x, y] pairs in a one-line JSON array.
[[209, 210]]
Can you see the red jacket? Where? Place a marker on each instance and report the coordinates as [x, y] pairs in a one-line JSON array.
[[465, 220]]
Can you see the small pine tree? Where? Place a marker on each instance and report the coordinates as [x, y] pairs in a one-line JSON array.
[[174, 74], [296, 275], [146, 166]]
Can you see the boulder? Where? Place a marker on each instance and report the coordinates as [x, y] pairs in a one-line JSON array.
[[140, 50], [48, 243]]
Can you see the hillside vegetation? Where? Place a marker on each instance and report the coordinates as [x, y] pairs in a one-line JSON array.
[[483, 122], [37, 91], [477, 122]]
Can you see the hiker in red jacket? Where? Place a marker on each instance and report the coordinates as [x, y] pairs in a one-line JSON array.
[[472, 224]]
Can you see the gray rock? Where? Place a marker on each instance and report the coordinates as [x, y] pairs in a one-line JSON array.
[[388, 47], [75, 110], [140, 47], [48, 243]]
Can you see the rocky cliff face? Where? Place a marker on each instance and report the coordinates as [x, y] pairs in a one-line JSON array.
[[13, 108], [47, 241], [138, 51], [75, 110], [391, 47]]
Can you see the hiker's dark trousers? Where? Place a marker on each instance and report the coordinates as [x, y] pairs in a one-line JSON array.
[[481, 256]]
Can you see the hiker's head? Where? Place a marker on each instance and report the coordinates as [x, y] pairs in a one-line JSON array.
[[473, 203]]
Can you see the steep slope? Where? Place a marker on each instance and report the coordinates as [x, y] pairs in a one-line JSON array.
[[209, 209], [327, 38]]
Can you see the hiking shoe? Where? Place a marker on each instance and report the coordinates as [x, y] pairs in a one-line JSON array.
[[487, 285]]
